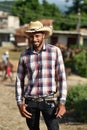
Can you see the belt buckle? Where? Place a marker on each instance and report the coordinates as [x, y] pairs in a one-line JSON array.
[[40, 99]]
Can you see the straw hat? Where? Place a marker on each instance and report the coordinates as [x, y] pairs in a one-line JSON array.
[[37, 26]]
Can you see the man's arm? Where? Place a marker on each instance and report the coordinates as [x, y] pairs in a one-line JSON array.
[[19, 89], [62, 85]]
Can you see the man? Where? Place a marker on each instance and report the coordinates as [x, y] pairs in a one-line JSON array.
[[44, 67], [5, 57], [7, 65]]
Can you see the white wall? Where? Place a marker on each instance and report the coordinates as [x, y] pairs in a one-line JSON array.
[[13, 22], [62, 39]]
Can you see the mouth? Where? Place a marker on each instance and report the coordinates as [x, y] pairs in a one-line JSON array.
[[36, 43]]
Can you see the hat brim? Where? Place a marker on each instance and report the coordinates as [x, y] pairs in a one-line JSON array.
[[46, 30]]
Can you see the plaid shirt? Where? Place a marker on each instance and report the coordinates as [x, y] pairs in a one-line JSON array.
[[45, 73]]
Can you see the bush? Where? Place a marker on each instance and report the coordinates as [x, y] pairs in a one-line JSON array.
[[77, 101], [80, 63]]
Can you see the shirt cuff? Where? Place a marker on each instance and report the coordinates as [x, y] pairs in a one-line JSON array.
[[62, 102]]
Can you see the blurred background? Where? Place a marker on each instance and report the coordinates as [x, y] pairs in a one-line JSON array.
[[68, 19]]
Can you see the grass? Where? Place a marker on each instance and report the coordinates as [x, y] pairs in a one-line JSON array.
[[14, 54]]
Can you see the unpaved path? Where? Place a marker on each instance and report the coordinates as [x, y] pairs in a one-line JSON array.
[[10, 118]]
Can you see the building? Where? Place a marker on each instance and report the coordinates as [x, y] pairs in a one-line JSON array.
[[20, 37], [70, 38], [8, 24]]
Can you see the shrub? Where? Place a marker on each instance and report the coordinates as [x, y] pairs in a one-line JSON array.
[[80, 63], [77, 101]]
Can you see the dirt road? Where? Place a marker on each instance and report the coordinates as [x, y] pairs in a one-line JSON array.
[[10, 118]]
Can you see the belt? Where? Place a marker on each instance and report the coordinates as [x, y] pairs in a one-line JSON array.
[[41, 99], [51, 97]]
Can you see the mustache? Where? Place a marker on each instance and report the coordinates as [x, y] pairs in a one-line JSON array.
[[34, 42]]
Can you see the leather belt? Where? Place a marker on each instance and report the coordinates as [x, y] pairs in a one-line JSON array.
[[51, 97], [41, 99]]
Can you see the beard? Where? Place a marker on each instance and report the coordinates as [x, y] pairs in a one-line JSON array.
[[37, 45]]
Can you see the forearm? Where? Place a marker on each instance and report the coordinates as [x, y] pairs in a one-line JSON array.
[[19, 90], [62, 83]]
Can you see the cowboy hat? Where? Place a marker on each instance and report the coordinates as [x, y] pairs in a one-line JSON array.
[[37, 26]]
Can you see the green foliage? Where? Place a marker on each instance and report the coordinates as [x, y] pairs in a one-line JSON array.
[[76, 4], [80, 63], [69, 64], [77, 62], [78, 9], [77, 101], [28, 10], [33, 10]]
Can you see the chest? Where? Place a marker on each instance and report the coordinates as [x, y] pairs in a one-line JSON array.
[[40, 61]]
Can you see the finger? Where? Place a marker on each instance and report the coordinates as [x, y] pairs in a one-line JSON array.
[[56, 111], [26, 113], [59, 113], [59, 116]]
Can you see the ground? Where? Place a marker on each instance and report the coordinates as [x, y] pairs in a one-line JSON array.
[[10, 118]]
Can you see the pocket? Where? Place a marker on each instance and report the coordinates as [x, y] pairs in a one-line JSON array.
[[31, 105], [29, 109], [50, 108]]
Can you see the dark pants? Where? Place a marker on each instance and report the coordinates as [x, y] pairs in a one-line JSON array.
[[48, 111]]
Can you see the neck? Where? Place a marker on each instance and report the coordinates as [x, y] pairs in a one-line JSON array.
[[38, 48]]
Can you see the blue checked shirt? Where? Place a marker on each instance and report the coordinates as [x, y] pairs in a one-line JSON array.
[[45, 74]]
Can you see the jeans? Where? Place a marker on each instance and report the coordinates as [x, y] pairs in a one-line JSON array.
[[48, 109]]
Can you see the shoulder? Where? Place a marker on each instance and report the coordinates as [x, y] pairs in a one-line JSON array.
[[25, 52], [53, 48]]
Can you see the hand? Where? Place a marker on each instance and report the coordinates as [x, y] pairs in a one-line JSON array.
[[60, 111], [23, 111]]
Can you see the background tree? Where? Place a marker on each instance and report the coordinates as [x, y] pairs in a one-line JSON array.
[[78, 9], [27, 10], [53, 12], [33, 10], [76, 4]]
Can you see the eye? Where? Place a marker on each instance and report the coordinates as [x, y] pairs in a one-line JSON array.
[[37, 36]]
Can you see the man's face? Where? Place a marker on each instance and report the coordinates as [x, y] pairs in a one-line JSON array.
[[36, 39]]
